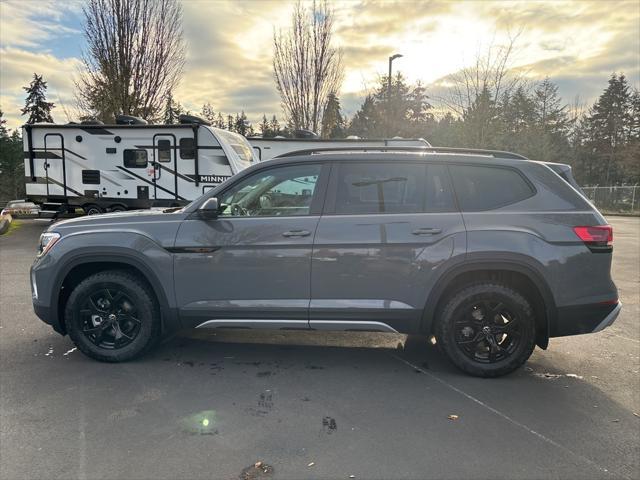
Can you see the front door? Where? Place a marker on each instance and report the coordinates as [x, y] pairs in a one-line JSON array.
[[250, 267], [386, 229]]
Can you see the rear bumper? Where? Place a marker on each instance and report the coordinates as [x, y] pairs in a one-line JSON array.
[[580, 319]]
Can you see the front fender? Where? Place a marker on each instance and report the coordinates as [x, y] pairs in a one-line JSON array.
[[132, 249]]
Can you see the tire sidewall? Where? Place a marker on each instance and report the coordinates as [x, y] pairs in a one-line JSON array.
[[145, 312], [466, 298]]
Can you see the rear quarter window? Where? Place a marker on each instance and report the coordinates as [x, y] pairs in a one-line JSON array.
[[483, 187]]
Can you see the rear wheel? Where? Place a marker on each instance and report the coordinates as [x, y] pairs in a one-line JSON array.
[[92, 209], [487, 330], [117, 208], [112, 316]]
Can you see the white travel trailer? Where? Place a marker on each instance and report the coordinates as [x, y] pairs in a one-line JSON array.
[[128, 165], [267, 148]]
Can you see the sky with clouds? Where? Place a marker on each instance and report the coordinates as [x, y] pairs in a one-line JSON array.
[[229, 47]]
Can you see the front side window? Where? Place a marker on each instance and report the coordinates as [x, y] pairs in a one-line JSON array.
[[365, 188], [484, 187], [135, 158], [283, 191], [164, 150]]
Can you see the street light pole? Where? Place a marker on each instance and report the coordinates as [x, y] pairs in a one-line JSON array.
[[391, 59]]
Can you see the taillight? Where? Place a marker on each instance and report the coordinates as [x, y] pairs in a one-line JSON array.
[[598, 238]]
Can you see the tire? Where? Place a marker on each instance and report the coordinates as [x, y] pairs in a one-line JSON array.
[[117, 208], [462, 333], [112, 316], [91, 209]]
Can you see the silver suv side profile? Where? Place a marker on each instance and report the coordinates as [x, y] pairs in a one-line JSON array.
[[491, 255]]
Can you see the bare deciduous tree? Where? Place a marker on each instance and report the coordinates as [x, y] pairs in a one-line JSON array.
[[490, 73], [134, 57], [307, 67]]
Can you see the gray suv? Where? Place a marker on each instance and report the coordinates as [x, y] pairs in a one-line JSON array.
[[490, 255]]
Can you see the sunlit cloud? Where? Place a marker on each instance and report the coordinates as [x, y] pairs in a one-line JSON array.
[[576, 43]]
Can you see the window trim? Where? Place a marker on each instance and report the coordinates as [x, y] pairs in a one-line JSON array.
[[124, 161], [528, 182], [319, 193]]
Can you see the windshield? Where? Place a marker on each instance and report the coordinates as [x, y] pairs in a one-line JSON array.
[[239, 144]]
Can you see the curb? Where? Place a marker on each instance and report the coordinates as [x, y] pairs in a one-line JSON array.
[[5, 223]]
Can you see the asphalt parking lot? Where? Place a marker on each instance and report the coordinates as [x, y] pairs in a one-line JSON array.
[[313, 405]]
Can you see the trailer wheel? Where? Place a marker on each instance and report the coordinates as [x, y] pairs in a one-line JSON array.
[[117, 208], [91, 209]]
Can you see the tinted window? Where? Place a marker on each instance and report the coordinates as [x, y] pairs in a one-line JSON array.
[[164, 150], [379, 188], [135, 158], [485, 188], [274, 192], [438, 192], [187, 148]]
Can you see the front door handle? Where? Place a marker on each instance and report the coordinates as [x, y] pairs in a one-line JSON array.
[[297, 233], [427, 231]]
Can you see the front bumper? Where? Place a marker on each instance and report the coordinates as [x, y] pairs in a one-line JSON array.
[[580, 319]]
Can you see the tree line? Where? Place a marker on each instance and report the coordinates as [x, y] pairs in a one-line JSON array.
[[134, 59]]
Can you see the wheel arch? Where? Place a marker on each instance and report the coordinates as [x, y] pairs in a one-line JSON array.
[[525, 277], [81, 267]]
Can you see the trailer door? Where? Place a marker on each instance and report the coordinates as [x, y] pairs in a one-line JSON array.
[[164, 165], [53, 165]]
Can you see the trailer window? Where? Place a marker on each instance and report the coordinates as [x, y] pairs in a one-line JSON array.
[[135, 158], [187, 148], [164, 150]]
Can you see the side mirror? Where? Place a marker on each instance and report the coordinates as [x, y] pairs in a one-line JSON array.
[[210, 208]]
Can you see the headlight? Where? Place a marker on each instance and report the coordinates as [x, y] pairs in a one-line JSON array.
[[47, 240]]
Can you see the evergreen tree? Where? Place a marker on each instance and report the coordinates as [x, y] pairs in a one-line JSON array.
[[11, 166], [36, 105], [608, 125], [274, 126], [332, 120], [230, 123], [552, 123], [3, 129], [265, 130], [241, 124], [208, 113], [480, 122], [172, 111], [220, 121], [367, 121]]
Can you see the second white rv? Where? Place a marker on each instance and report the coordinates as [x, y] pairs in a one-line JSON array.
[[268, 148]]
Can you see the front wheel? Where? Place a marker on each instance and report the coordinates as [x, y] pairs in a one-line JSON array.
[[487, 330], [112, 316]]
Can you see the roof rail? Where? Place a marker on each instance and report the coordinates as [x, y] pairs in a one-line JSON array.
[[391, 148]]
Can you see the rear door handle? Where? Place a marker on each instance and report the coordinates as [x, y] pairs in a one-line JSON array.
[[427, 231], [297, 233]]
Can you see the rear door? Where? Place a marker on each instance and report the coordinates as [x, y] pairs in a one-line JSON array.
[[386, 228]]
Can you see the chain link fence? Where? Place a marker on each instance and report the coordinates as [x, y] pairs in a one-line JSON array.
[[618, 199]]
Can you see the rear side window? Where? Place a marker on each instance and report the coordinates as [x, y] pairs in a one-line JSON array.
[[481, 188], [364, 188], [135, 158]]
